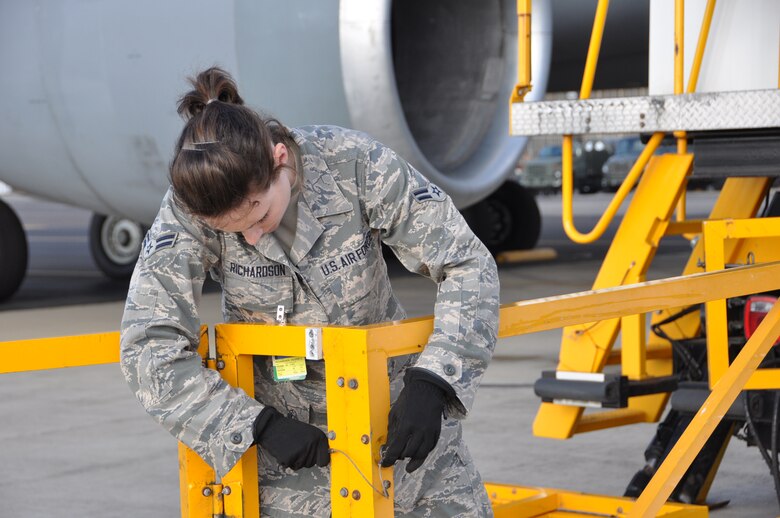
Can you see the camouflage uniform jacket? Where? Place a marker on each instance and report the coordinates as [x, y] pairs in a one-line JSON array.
[[356, 193]]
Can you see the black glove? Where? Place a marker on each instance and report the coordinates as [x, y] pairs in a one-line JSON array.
[[415, 419], [294, 444]]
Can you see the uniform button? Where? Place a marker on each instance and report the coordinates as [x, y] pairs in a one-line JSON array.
[[449, 370], [236, 438]]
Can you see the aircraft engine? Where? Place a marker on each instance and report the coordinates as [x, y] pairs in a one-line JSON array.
[[87, 115]]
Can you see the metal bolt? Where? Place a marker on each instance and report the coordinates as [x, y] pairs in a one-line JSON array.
[[206, 491], [344, 492], [620, 510], [226, 490], [356, 494], [364, 439], [386, 484], [353, 384], [220, 365], [340, 382], [331, 435]]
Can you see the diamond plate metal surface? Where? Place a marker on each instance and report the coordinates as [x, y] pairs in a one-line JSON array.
[[688, 112]]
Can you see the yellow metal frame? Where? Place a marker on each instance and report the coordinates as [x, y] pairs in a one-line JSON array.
[[358, 389], [358, 395], [759, 241]]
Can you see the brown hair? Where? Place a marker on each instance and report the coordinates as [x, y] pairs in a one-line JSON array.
[[225, 149]]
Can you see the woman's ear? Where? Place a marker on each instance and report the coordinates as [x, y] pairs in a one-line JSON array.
[[281, 155]]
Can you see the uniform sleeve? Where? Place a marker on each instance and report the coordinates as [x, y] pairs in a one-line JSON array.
[[160, 333], [429, 236]]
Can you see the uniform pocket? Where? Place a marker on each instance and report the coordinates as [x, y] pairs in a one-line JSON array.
[[256, 300]]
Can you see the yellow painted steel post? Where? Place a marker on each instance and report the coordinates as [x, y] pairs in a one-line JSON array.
[[358, 399], [707, 418], [586, 348], [633, 351], [199, 493], [523, 85], [717, 319], [239, 487]]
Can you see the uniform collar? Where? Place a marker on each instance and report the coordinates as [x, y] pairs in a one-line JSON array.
[[320, 198]]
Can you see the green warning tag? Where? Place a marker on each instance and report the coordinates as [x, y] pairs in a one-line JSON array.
[[289, 368]]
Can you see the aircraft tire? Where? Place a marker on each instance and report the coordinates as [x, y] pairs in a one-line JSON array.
[[508, 219], [13, 251], [115, 244]]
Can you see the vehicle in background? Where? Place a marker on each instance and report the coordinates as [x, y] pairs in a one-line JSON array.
[[543, 173], [587, 180], [617, 166]]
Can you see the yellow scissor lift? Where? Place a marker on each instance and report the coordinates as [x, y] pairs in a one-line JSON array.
[[731, 234], [357, 385]]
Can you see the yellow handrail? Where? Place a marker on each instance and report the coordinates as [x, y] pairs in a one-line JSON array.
[[567, 171], [682, 142], [614, 204], [523, 85]]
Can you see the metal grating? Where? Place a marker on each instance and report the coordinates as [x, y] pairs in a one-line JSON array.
[[687, 112]]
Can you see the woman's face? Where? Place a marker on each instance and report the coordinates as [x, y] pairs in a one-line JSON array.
[[262, 211]]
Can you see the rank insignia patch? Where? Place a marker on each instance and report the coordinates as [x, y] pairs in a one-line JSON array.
[[152, 245], [429, 193]]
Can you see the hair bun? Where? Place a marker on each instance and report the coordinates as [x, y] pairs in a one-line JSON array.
[[213, 84]]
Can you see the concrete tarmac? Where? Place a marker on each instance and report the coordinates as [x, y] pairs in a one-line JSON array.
[[75, 442]]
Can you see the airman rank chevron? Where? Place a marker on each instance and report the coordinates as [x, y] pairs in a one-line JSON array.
[[429, 193], [152, 245]]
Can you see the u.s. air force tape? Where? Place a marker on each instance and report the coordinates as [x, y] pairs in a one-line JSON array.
[[152, 245], [429, 193]]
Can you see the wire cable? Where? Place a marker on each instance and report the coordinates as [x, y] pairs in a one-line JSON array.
[[383, 491]]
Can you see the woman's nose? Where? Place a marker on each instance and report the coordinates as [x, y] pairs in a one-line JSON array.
[[253, 235]]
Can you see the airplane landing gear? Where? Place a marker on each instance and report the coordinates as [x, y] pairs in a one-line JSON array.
[[508, 219], [115, 244], [13, 251]]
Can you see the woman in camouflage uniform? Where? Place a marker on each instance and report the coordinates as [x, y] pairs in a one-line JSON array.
[[296, 217]]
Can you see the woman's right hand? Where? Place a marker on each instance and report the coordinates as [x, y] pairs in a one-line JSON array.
[[293, 443]]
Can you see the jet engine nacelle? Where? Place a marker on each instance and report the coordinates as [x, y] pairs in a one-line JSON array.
[[90, 88], [87, 115]]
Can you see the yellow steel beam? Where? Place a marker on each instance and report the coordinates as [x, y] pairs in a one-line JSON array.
[[526, 502], [707, 418], [56, 353], [410, 336]]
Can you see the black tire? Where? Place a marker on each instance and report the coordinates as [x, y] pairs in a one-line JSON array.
[[508, 219], [13, 251], [115, 243]]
